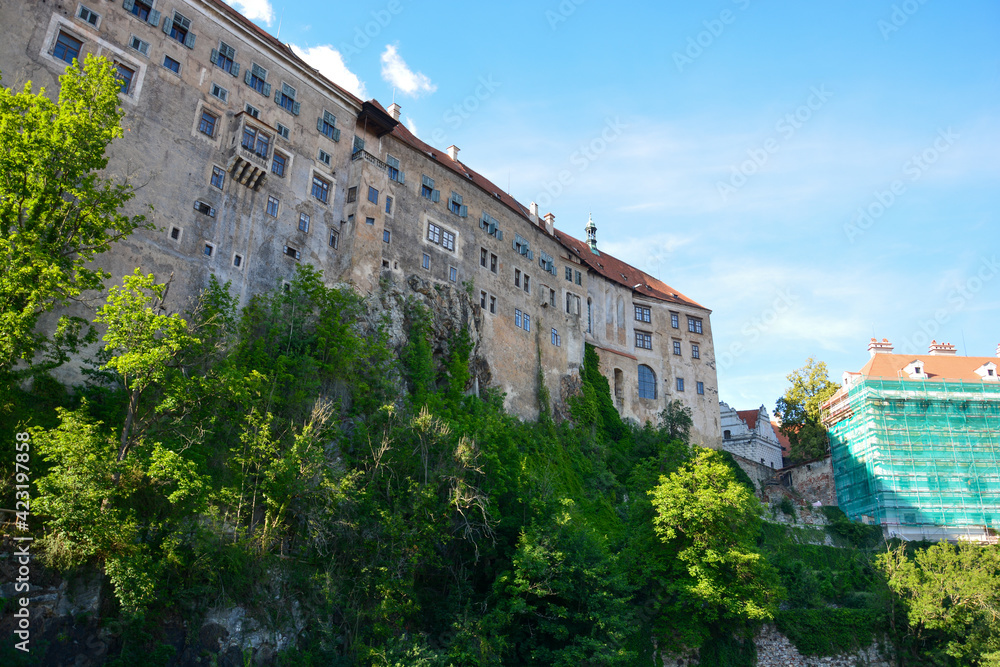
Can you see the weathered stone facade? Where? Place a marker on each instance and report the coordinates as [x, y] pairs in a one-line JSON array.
[[253, 162]]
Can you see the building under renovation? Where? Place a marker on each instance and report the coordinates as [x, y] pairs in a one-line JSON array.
[[915, 442]]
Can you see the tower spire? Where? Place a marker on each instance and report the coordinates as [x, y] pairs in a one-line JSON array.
[[591, 230]]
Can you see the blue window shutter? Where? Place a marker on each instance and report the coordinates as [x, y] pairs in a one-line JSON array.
[[128, 5], [167, 25], [402, 177], [295, 109], [319, 125], [154, 17], [215, 56], [267, 90], [189, 41], [235, 71], [513, 244], [436, 196], [426, 181], [246, 77], [499, 235], [277, 97], [336, 134], [464, 211], [531, 255]]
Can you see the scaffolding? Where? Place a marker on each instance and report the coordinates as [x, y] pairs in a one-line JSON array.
[[921, 458]]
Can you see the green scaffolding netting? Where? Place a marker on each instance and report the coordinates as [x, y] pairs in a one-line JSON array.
[[920, 453]]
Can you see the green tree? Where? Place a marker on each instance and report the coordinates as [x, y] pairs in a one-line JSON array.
[[952, 591], [56, 212], [709, 522], [799, 410]]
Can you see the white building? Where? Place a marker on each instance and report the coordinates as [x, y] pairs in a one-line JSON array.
[[750, 434]]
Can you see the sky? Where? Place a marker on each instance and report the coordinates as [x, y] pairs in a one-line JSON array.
[[815, 173]]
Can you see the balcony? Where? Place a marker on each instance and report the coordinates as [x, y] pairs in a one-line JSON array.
[[248, 156], [365, 155]]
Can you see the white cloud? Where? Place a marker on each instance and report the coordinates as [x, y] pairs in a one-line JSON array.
[[396, 72], [412, 127], [331, 64], [255, 10]]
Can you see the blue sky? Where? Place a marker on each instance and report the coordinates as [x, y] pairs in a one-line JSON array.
[[816, 172]]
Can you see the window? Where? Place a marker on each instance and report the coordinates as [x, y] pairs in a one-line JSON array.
[[326, 124], [272, 206], [67, 47], [680, 384], [237, 260], [642, 314], [482, 298], [448, 240], [569, 273], [278, 165], [206, 125], [321, 189], [675, 320], [386, 235], [369, 221], [577, 277], [224, 58], [427, 190], [334, 239], [527, 283], [493, 263], [572, 304], [493, 305], [552, 297], [175, 233], [205, 209], [352, 194], [392, 168], [522, 247], [208, 250], [282, 131], [359, 145], [517, 318], [589, 314], [137, 44], [517, 277], [285, 99], [490, 224], [256, 78], [220, 92], [372, 195], [171, 64], [292, 252], [179, 28], [88, 16], [456, 207], [324, 157], [218, 177], [433, 233], [694, 324], [125, 75], [303, 222], [443, 237], [256, 140], [700, 388], [677, 348], [388, 204], [483, 258], [695, 351], [252, 110], [547, 262], [453, 274], [726, 435], [142, 9], [527, 322], [643, 340], [556, 340], [426, 263], [647, 382]]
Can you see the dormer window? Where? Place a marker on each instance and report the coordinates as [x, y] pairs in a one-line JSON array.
[[915, 370], [988, 372]]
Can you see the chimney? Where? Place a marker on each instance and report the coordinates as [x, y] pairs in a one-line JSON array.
[[876, 347], [453, 153], [533, 214], [998, 350], [394, 110], [550, 223], [941, 349]]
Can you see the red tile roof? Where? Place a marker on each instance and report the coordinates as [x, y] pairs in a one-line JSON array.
[[786, 445], [749, 417], [936, 367]]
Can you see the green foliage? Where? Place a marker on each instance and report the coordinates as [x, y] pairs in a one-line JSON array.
[[854, 533], [799, 410], [417, 356], [829, 631], [726, 649], [56, 212], [951, 592], [676, 422], [739, 473]]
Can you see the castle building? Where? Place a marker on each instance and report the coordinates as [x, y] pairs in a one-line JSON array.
[[915, 441], [253, 162], [751, 435]]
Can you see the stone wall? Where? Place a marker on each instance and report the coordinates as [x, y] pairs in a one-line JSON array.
[[775, 650], [814, 481]]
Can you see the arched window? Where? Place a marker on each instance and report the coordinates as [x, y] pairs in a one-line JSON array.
[[726, 435], [590, 315], [647, 382]]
